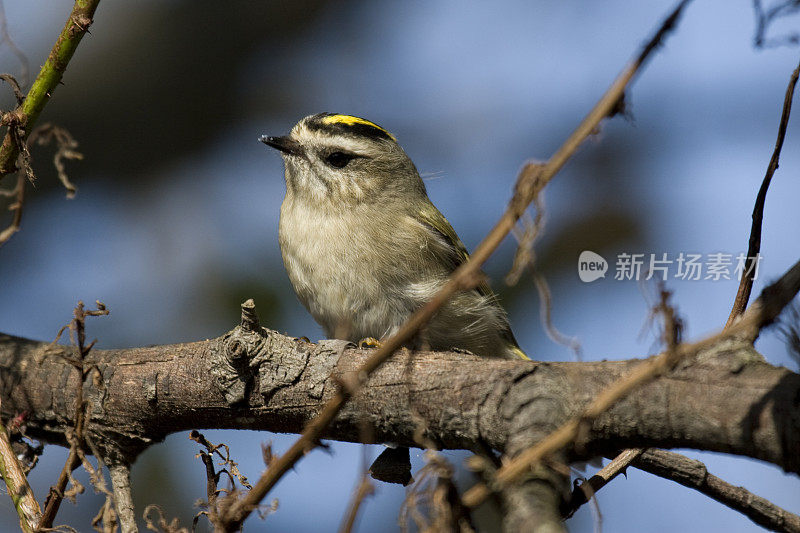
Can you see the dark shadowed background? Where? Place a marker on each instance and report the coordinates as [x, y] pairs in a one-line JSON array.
[[175, 220]]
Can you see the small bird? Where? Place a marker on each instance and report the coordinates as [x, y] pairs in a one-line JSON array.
[[364, 247]]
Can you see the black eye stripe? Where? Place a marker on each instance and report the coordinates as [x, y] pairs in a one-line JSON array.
[[338, 159]]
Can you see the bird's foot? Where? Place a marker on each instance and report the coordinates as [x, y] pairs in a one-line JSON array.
[[369, 342]]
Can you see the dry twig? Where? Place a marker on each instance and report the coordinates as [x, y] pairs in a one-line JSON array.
[[230, 466], [583, 492], [214, 507], [525, 257], [694, 475], [15, 88], [17, 206], [66, 148], [365, 488], [670, 336], [77, 437], [120, 475], [754, 245], [160, 523]]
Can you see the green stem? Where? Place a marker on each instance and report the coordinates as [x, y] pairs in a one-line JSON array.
[[48, 79], [17, 484]]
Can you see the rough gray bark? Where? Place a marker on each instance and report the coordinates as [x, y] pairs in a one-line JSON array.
[[534, 504], [727, 400], [121, 483]]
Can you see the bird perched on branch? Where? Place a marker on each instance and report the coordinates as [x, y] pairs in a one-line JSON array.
[[364, 247]]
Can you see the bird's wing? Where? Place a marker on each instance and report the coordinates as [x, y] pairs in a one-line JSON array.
[[455, 254]]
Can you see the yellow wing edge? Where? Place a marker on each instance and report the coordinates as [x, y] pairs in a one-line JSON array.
[[517, 351]]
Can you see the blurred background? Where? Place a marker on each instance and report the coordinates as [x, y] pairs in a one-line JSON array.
[[175, 220]]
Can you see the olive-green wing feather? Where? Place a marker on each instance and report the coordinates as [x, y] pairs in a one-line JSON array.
[[456, 254]]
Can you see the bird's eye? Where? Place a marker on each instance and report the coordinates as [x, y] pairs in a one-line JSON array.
[[338, 159]]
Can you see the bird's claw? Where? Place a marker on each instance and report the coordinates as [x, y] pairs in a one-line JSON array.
[[369, 342]]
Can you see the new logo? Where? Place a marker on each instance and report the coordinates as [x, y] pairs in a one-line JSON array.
[[591, 266]]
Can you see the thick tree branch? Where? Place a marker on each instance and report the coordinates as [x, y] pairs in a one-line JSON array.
[[728, 401]]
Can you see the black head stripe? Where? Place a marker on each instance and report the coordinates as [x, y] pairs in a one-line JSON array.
[[347, 125]]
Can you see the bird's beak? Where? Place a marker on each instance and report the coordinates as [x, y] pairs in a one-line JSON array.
[[285, 144]]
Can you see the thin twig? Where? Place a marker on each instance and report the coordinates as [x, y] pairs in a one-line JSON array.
[[694, 474], [214, 506], [212, 477], [531, 180], [66, 148], [526, 237], [762, 313], [603, 477], [47, 80], [526, 257], [754, 246], [76, 438], [15, 88], [16, 207], [365, 488], [106, 519], [546, 316], [56, 494], [230, 466], [160, 523]]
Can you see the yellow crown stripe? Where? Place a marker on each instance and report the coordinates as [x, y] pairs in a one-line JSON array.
[[349, 120]]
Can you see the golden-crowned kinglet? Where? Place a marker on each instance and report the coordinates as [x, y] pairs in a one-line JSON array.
[[363, 245]]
